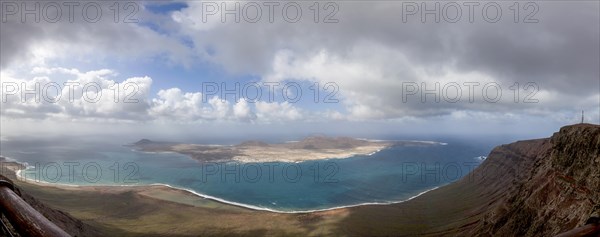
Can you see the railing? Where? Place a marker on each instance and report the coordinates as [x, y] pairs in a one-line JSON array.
[[590, 229], [22, 217]]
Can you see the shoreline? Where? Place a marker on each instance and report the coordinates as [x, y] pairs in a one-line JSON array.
[[317, 156], [177, 190], [383, 145], [286, 152], [213, 198]]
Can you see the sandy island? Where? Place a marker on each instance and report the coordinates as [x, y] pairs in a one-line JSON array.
[[311, 148]]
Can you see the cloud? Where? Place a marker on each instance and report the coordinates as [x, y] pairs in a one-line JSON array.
[[91, 95], [242, 111], [27, 44], [276, 111], [174, 104], [371, 52], [94, 96]]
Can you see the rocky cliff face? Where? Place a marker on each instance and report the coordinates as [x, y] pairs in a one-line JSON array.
[[541, 187]]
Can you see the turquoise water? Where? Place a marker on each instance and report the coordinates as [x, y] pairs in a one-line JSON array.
[[391, 175]]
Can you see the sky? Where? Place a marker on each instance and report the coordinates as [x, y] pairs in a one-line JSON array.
[[376, 69]]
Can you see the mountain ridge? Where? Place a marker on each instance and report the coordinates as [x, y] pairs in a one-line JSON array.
[[539, 187]]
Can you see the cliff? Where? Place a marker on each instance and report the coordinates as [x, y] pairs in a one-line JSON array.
[[552, 185], [539, 187]]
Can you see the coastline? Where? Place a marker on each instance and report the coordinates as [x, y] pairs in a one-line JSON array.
[[254, 155], [287, 152], [182, 193]]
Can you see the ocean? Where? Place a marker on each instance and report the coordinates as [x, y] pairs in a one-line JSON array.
[[391, 175]]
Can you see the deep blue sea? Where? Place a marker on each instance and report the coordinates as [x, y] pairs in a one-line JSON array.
[[390, 175]]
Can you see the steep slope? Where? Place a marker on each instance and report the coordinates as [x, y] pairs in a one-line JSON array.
[[537, 187], [557, 189]]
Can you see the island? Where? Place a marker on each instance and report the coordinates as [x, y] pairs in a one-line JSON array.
[[309, 148]]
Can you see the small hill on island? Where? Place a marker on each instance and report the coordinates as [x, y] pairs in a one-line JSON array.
[[143, 142], [322, 142], [253, 143], [312, 143]]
